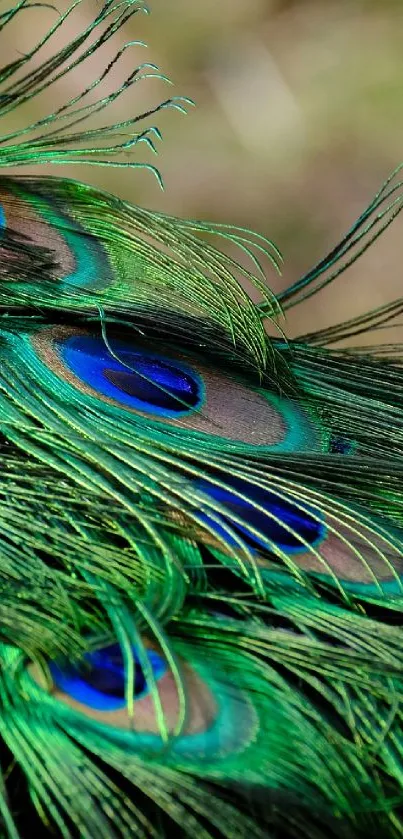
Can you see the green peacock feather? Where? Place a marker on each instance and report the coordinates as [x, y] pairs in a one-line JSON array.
[[201, 527]]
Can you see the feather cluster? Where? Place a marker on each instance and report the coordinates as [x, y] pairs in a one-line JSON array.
[[201, 527]]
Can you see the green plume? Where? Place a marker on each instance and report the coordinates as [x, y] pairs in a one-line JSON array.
[[201, 540]]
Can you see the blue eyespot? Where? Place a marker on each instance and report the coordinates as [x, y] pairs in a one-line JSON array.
[[304, 522], [99, 682], [2, 218], [148, 383]]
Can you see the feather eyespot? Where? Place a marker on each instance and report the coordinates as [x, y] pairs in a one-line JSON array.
[[208, 716], [40, 216], [138, 380], [99, 682], [332, 542], [95, 689], [262, 516], [174, 388]]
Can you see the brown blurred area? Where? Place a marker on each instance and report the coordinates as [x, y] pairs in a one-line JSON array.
[[299, 119]]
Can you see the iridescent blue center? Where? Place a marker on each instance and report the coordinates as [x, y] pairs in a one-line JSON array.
[[2, 218], [140, 380], [304, 522], [99, 682]]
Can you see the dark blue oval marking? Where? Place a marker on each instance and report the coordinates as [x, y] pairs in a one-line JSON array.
[[99, 682], [3, 220], [339, 445], [305, 522], [153, 384]]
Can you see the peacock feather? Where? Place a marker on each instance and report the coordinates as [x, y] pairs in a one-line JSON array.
[[201, 526]]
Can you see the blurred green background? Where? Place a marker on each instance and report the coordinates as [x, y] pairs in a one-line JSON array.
[[299, 119]]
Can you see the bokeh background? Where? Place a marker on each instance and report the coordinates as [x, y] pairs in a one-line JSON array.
[[299, 119]]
